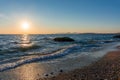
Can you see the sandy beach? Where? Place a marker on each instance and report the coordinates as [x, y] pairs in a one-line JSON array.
[[107, 68]]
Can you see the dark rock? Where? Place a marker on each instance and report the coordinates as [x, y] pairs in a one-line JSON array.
[[108, 41], [46, 75], [116, 36], [75, 76], [61, 70], [64, 39], [15, 42], [51, 73]]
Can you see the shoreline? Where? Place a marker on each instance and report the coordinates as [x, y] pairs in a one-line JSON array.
[[87, 67], [107, 68]]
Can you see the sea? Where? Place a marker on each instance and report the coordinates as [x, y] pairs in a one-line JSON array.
[[21, 49]]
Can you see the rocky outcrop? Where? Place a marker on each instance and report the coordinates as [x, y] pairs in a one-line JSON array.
[[116, 36], [63, 39]]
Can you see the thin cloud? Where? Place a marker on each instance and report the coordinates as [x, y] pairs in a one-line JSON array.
[[3, 16]]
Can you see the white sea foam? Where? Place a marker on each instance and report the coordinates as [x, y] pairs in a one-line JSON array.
[[57, 54]]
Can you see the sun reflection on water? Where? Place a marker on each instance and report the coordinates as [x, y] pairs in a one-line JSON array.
[[30, 71], [25, 41]]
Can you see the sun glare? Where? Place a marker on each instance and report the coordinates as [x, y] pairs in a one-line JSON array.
[[25, 25]]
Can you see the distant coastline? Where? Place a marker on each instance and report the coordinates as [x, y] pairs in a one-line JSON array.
[[61, 33]]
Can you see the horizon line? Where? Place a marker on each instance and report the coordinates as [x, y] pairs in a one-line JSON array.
[[56, 33]]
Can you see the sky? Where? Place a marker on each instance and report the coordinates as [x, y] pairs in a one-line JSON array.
[[59, 16]]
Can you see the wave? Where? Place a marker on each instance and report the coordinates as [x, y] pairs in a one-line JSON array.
[[18, 49], [56, 54]]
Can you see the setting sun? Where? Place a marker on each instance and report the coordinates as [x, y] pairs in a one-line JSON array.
[[25, 25]]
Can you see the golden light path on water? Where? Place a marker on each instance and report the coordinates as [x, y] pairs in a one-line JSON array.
[[30, 71], [25, 41]]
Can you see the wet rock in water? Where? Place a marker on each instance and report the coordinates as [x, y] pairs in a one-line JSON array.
[[51, 73], [46, 75], [61, 70], [108, 41], [64, 39], [15, 42], [116, 36]]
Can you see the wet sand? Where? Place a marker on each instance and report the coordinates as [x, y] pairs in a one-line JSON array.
[[95, 68], [107, 68]]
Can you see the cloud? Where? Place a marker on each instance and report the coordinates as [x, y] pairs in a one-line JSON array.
[[3, 16]]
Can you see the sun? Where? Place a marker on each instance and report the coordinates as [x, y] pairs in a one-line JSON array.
[[25, 25]]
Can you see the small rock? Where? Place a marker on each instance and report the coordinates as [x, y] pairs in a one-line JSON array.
[[61, 70], [46, 75], [75, 76], [51, 73]]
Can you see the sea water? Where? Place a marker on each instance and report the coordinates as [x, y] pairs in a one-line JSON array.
[[17, 50]]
